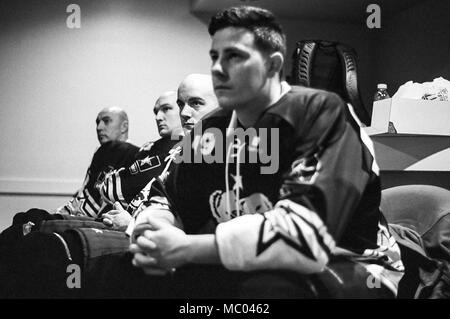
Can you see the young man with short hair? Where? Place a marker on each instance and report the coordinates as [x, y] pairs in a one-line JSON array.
[[227, 229]]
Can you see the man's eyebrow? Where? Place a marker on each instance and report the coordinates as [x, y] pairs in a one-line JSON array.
[[196, 98], [233, 49], [102, 118]]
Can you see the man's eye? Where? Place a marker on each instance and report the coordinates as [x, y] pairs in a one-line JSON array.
[[196, 104], [233, 56], [213, 58]]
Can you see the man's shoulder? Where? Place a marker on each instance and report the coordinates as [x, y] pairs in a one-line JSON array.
[[160, 145], [116, 148], [301, 103], [304, 99], [118, 145], [217, 114], [218, 118]]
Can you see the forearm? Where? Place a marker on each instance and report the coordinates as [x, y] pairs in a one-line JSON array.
[[289, 237], [202, 249]]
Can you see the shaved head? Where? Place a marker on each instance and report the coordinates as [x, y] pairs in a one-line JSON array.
[[112, 125], [167, 114], [168, 96], [116, 110], [196, 98]]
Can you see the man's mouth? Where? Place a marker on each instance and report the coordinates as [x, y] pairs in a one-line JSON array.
[[221, 87], [188, 125]]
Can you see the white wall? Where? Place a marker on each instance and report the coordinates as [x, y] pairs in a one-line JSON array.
[[54, 80]]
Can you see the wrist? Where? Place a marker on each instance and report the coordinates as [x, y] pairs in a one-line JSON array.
[[201, 249], [189, 255]]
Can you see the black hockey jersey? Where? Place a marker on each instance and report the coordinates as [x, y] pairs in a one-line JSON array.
[[107, 158], [124, 184], [300, 186]]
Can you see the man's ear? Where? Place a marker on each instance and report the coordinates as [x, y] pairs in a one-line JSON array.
[[124, 126], [275, 63]]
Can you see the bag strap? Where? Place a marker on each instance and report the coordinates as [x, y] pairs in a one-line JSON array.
[[302, 62], [348, 62]]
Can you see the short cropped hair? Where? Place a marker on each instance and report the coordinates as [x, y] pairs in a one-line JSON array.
[[269, 35]]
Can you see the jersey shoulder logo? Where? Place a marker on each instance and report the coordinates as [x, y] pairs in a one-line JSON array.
[[146, 147], [148, 163]]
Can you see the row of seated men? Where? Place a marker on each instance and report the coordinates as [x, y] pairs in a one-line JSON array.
[[289, 210], [120, 175], [119, 170]]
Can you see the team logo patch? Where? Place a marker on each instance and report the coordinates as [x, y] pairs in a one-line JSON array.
[[207, 143], [140, 198], [102, 176], [306, 169], [145, 164], [220, 201], [146, 147]]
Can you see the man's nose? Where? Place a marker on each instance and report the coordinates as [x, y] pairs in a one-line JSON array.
[[217, 69], [100, 126], [186, 112], [159, 117]]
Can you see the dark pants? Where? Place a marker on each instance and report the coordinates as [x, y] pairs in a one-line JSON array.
[[114, 276]]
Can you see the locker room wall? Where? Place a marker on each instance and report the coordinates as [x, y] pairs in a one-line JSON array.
[[54, 80]]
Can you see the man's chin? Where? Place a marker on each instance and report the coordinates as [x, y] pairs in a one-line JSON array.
[[103, 140], [226, 103]]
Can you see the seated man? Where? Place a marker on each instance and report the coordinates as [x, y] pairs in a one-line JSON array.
[[122, 185], [241, 223], [114, 152], [195, 99]]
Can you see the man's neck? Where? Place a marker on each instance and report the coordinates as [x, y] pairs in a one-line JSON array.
[[248, 114]]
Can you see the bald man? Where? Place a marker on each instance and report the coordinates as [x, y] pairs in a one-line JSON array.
[[167, 115], [112, 125], [114, 152], [196, 98], [121, 186]]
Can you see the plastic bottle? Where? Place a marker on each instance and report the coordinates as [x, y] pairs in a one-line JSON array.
[[381, 92]]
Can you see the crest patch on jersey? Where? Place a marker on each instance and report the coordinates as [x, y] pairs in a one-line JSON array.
[[207, 143], [255, 203], [306, 169], [102, 176], [145, 164]]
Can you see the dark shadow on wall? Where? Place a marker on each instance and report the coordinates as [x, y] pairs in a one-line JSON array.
[[415, 45]]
